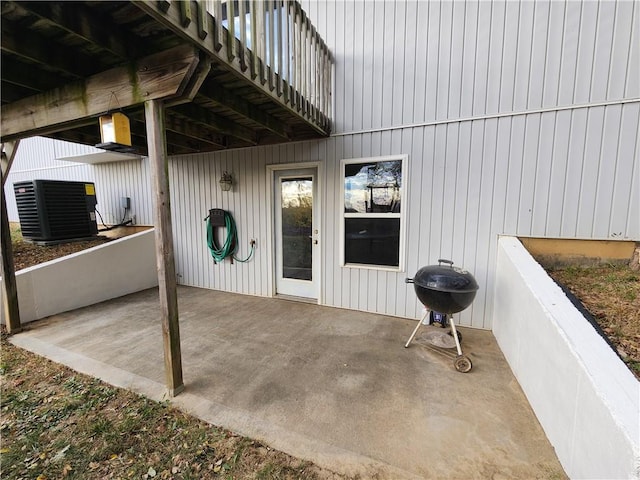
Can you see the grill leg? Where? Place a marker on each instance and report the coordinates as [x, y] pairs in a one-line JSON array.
[[455, 334], [415, 330]]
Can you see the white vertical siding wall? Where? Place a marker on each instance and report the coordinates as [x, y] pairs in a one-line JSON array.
[[467, 183], [519, 118], [400, 63]]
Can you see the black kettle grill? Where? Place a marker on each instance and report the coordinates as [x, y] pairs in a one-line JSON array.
[[445, 289]]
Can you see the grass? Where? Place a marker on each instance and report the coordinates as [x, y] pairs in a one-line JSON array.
[[611, 293], [57, 423]]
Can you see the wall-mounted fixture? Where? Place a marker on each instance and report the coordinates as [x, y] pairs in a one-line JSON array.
[[226, 181], [115, 132]]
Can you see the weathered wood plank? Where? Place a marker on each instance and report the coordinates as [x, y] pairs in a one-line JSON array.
[[327, 83], [304, 67], [217, 26], [158, 76], [223, 125], [242, 14], [185, 13], [231, 31], [259, 48], [9, 287], [254, 39], [203, 20], [182, 126], [37, 49], [313, 65], [219, 94], [86, 24], [271, 49], [241, 47], [172, 21], [18, 73], [286, 75], [278, 13], [262, 71], [285, 91], [159, 166], [298, 54], [195, 82]]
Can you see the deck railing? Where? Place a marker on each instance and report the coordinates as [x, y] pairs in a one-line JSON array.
[[271, 42]]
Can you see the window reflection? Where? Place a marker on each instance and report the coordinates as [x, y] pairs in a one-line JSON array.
[[373, 187], [297, 222]]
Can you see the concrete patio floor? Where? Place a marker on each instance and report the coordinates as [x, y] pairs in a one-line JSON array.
[[332, 386]]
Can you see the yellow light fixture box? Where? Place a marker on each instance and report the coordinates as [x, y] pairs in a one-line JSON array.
[[114, 128]]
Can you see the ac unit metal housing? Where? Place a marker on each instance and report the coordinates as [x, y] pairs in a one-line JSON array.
[[54, 210]]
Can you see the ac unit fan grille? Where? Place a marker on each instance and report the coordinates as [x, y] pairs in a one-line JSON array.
[[27, 210]]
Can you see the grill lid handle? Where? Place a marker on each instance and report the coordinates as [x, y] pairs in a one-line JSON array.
[[442, 260], [408, 280]]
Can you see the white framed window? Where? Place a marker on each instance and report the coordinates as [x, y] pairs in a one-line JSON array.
[[373, 211]]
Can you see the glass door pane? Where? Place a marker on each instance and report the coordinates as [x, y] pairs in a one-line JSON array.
[[297, 223]]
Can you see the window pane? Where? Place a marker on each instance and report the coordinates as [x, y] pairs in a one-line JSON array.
[[372, 187], [374, 241]]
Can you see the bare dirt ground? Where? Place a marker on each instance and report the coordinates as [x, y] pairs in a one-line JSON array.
[[27, 254], [611, 293]]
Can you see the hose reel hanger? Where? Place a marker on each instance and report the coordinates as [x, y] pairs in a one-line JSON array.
[[219, 218]]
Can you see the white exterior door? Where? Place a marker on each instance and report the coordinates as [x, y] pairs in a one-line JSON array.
[[296, 233]]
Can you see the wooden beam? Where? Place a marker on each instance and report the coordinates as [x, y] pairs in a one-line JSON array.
[[157, 76], [226, 98], [86, 24], [182, 126], [159, 165], [212, 120], [9, 285], [36, 49], [11, 92], [192, 88], [28, 76]]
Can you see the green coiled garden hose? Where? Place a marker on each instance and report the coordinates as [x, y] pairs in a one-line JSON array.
[[230, 246]]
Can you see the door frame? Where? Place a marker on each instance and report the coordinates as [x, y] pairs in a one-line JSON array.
[[271, 226]]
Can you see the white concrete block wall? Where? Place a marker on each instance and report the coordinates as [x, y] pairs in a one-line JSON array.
[[100, 273], [585, 398]]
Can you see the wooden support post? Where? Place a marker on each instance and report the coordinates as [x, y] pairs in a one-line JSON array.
[[158, 162], [9, 285]]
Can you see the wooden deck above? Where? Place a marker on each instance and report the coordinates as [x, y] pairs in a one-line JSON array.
[[262, 78]]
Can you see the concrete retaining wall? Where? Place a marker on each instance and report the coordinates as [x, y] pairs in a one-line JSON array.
[[585, 398], [107, 271]]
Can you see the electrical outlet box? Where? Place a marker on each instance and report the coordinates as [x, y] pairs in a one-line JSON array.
[[125, 202]]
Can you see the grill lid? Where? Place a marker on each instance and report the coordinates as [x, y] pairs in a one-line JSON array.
[[445, 278]]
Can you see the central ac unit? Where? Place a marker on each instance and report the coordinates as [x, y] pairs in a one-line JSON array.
[[53, 210]]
